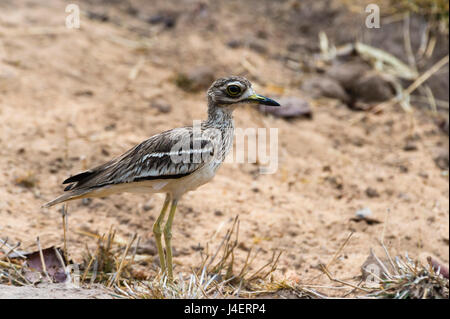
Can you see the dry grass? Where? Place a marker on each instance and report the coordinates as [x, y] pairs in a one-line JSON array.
[[397, 278], [404, 278], [111, 262], [218, 276], [111, 265], [11, 269], [436, 11]]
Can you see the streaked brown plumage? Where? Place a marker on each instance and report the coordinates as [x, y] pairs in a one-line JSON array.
[[173, 162]]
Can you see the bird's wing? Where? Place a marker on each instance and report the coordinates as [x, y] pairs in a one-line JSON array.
[[169, 155]]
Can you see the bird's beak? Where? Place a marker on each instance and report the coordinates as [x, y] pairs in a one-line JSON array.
[[256, 98]]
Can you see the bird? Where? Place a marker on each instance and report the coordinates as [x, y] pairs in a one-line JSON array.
[[173, 162]]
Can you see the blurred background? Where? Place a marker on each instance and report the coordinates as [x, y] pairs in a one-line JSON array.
[[363, 128]]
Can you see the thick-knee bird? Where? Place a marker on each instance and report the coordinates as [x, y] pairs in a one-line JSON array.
[[172, 162]]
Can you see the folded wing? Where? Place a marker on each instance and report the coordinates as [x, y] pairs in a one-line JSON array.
[[170, 155]]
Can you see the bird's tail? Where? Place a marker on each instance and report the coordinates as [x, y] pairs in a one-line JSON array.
[[75, 194]]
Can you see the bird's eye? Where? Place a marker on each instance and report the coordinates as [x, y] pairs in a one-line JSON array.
[[234, 90]]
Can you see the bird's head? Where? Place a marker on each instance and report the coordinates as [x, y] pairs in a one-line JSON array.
[[235, 90]]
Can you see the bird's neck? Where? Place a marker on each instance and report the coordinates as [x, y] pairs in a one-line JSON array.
[[220, 120], [219, 116]]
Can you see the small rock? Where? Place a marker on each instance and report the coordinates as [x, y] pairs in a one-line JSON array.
[[358, 141], [124, 220], [176, 252], [27, 180], [105, 152], [243, 246], [291, 107], [55, 165], [197, 247], [321, 86], [444, 125], [161, 106], [326, 168], [86, 201], [111, 127], [442, 160], [147, 248], [374, 268], [335, 181], [347, 73], [234, 43], [99, 16], [88, 93], [132, 10], [371, 88], [410, 146], [403, 168], [300, 45], [431, 219], [257, 45], [147, 206], [167, 18], [372, 192], [363, 213], [262, 34]]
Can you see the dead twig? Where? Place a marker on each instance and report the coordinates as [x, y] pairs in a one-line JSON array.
[[405, 94], [339, 250], [64, 224], [122, 261], [41, 255], [324, 269]]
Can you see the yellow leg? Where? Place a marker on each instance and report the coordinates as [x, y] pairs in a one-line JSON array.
[[158, 232], [168, 239]]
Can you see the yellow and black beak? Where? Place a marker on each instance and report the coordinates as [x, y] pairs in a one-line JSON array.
[[259, 99]]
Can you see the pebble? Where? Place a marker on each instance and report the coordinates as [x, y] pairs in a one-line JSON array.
[[372, 192], [161, 106], [363, 213], [321, 86], [409, 147]]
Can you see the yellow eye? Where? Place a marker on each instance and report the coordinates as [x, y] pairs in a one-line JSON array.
[[234, 90]]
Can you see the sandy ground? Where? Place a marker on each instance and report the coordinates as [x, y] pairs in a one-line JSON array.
[[51, 291], [67, 103]]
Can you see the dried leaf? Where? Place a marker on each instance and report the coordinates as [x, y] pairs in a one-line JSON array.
[[53, 265]]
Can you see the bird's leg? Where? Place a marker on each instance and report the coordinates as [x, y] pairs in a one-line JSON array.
[[158, 232], [168, 239]]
